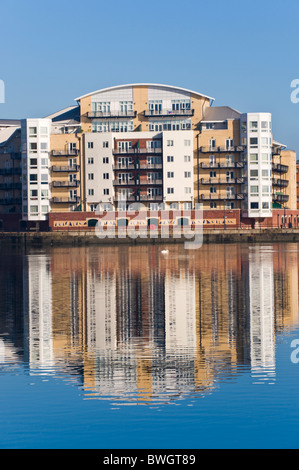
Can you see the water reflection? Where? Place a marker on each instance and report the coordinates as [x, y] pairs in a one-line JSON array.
[[132, 325]]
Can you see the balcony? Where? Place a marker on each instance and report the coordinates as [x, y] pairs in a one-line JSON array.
[[65, 200], [137, 182], [238, 148], [140, 198], [280, 183], [277, 167], [65, 184], [224, 197], [65, 169], [137, 166], [138, 151], [168, 112], [280, 197], [65, 153], [222, 165], [214, 181], [111, 114]]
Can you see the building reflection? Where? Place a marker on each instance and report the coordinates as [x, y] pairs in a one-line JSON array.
[[133, 325]]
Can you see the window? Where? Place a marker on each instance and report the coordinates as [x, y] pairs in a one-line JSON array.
[[212, 144], [187, 174], [213, 189], [33, 179], [90, 192], [266, 190], [45, 209], [105, 144], [187, 206], [44, 178], [254, 205], [229, 144], [187, 158], [44, 162], [187, 143], [90, 176], [105, 160], [254, 174], [44, 194], [254, 190], [170, 159], [44, 146], [33, 194], [90, 161], [90, 145], [170, 143], [33, 162], [265, 157], [265, 174], [188, 190], [253, 141], [174, 206], [33, 210], [213, 205], [265, 141], [170, 190], [253, 158], [170, 174], [106, 191], [212, 174], [106, 176], [253, 125], [33, 147], [264, 126], [32, 131], [265, 205]]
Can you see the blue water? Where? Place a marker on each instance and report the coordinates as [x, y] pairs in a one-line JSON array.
[[53, 407]]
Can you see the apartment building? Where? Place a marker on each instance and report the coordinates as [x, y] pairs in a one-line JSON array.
[[155, 146]]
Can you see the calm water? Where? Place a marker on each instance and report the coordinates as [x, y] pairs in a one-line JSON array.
[[124, 347]]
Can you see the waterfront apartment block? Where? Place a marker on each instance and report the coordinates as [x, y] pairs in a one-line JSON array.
[[147, 147]]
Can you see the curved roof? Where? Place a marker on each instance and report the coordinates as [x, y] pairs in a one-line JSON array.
[[143, 84]]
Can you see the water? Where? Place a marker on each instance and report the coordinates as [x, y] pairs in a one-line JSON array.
[[124, 347]]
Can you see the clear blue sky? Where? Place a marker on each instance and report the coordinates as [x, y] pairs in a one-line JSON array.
[[244, 54]]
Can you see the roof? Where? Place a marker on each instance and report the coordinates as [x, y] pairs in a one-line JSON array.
[[220, 114], [71, 113], [142, 84], [6, 134], [10, 122]]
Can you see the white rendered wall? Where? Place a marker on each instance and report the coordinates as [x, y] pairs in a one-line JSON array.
[[41, 139], [263, 165]]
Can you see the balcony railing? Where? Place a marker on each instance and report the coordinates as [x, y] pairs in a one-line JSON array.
[[65, 153], [222, 165], [280, 197], [65, 184], [65, 200], [140, 197], [279, 168], [168, 112], [138, 166], [238, 148], [111, 114], [134, 182], [215, 196], [216, 181], [65, 169], [280, 183], [137, 151]]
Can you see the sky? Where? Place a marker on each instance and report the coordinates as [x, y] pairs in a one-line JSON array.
[[243, 54]]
